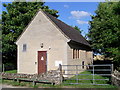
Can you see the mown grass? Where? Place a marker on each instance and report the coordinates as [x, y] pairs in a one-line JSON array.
[[83, 76], [15, 83], [11, 71], [86, 83], [64, 85]]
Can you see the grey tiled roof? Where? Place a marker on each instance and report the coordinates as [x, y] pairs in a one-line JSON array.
[[70, 32]]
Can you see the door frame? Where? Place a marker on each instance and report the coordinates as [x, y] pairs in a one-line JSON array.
[[38, 61]]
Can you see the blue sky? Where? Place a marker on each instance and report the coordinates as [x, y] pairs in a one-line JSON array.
[[74, 13]]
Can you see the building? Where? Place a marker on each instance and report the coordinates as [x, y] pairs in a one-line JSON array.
[[47, 42]]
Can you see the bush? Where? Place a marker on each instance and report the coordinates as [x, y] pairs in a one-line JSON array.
[[9, 66]]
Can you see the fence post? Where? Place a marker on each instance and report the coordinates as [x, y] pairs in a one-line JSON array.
[[93, 75], [112, 69], [60, 69], [77, 73], [3, 67], [111, 74], [34, 83]]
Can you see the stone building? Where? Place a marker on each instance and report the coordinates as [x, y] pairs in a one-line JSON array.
[[47, 42]]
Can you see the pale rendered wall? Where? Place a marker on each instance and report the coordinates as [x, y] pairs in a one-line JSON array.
[[85, 56], [89, 57], [41, 30]]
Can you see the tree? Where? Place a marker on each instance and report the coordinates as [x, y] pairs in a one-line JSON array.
[[0, 36], [17, 17], [104, 31], [77, 28]]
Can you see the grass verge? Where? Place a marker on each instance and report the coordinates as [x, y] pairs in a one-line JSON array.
[[85, 83], [63, 85], [11, 71]]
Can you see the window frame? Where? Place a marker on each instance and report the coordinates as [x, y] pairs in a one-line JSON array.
[[76, 54], [24, 48]]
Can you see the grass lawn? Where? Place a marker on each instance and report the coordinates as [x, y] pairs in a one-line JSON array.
[[63, 85], [84, 83], [11, 71]]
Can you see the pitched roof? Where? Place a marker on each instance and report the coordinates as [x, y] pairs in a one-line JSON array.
[[70, 32]]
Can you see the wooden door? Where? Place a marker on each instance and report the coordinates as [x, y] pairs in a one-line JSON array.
[[42, 62]]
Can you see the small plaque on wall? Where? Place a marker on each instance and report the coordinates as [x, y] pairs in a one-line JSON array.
[[57, 63]]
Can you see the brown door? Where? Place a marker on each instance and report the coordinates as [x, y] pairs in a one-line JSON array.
[[42, 64]]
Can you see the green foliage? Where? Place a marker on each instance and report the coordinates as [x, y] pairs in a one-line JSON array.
[[77, 28], [17, 17], [9, 66], [104, 32], [0, 36]]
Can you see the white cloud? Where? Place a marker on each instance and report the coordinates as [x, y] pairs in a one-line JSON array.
[[81, 22], [66, 6], [79, 14]]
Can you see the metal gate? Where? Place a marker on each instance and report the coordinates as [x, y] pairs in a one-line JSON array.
[[87, 74]]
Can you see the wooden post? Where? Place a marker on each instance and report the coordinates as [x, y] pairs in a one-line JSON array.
[[34, 83], [18, 81], [52, 83], [3, 68], [112, 69], [60, 69], [112, 73], [76, 73], [93, 75]]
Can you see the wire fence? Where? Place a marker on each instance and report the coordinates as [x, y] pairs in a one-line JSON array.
[[87, 74]]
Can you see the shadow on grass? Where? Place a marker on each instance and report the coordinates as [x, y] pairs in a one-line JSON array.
[[102, 74], [107, 70]]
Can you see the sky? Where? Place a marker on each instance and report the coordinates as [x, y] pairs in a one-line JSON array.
[[74, 13]]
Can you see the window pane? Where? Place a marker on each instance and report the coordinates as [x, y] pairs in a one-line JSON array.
[[24, 47], [83, 64], [78, 53], [73, 53]]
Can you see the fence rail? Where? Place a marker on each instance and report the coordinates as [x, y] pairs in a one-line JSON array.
[[73, 73]]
